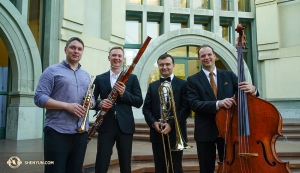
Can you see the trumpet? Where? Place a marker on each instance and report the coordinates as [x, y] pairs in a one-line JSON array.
[[86, 105], [167, 105]]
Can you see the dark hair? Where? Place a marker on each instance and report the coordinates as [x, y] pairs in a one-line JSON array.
[[203, 46], [74, 38], [163, 56], [116, 47]]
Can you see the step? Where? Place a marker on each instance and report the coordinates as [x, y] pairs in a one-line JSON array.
[[289, 137], [146, 137], [144, 163], [147, 130]]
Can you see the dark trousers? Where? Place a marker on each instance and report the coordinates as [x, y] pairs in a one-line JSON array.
[[106, 142], [159, 158], [66, 150], [207, 154]]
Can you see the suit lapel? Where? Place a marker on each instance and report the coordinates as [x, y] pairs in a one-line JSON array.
[[174, 83], [205, 83], [107, 81], [221, 82]]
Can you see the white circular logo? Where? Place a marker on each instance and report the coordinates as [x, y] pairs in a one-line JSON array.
[[14, 162]]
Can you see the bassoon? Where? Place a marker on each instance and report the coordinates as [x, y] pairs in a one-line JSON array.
[[100, 115]]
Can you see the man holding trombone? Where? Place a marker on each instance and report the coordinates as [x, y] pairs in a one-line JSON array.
[[163, 130]]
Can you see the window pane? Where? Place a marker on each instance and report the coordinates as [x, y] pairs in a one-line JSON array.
[[179, 71], [133, 32], [178, 51], [34, 18], [193, 67], [134, 2], [193, 51], [225, 5], [225, 32], [4, 78], [3, 99], [201, 26], [244, 5], [178, 3], [153, 2], [153, 29], [154, 74], [129, 56], [201, 4], [174, 26]]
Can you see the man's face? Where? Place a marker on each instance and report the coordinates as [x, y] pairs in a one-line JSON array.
[[165, 66], [74, 52], [116, 57], [207, 58]]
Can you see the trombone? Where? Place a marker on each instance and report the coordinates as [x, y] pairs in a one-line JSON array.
[[167, 105]]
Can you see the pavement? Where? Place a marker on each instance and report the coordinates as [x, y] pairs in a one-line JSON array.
[[30, 152]]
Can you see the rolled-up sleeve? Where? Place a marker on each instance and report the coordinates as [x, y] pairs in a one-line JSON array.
[[44, 88]]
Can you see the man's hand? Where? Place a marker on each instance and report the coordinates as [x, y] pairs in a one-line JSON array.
[[156, 125], [166, 128], [76, 109], [227, 103], [105, 103], [247, 87], [92, 103], [120, 87]]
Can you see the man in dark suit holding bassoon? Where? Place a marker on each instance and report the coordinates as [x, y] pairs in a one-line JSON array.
[[152, 113], [209, 90], [118, 125]]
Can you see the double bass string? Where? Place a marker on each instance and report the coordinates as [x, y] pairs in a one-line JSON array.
[[243, 120]]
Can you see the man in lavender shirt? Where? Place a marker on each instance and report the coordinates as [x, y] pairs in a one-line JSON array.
[[61, 90]]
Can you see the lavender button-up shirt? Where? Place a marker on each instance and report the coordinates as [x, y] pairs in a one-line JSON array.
[[60, 82]]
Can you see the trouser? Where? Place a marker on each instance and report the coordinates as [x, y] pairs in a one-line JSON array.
[[66, 150], [106, 141], [159, 158], [207, 154]]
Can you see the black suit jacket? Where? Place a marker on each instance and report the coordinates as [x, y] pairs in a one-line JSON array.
[[203, 102], [151, 108], [122, 106]]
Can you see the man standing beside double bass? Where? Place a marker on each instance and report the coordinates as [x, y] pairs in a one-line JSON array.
[[208, 90]]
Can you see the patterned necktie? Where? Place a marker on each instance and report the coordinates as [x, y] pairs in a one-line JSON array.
[[213, 84]]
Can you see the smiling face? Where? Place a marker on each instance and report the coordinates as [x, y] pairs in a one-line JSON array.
[[116, 58], [207, 58], [74, 52], [165, 66]]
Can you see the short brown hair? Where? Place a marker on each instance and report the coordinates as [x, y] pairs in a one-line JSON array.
[[203, 46], [163, 56], [74, 38], [116, 47]]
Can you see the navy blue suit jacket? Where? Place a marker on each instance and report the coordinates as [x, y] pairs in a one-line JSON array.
[[203, 102], [151, 108], [122, 106]]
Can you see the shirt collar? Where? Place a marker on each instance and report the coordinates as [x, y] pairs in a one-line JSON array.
[[207, 72], [113, 74], [65, 63], [171, 76]]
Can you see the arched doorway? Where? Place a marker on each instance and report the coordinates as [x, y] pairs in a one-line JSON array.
[[183, 37], [24, 119]]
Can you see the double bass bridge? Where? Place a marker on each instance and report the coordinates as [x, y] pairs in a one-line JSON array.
[[248, 154]]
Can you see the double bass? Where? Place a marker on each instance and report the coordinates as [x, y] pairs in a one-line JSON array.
[[250, 130]]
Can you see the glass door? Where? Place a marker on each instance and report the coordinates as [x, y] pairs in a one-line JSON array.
[[3, 87]]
